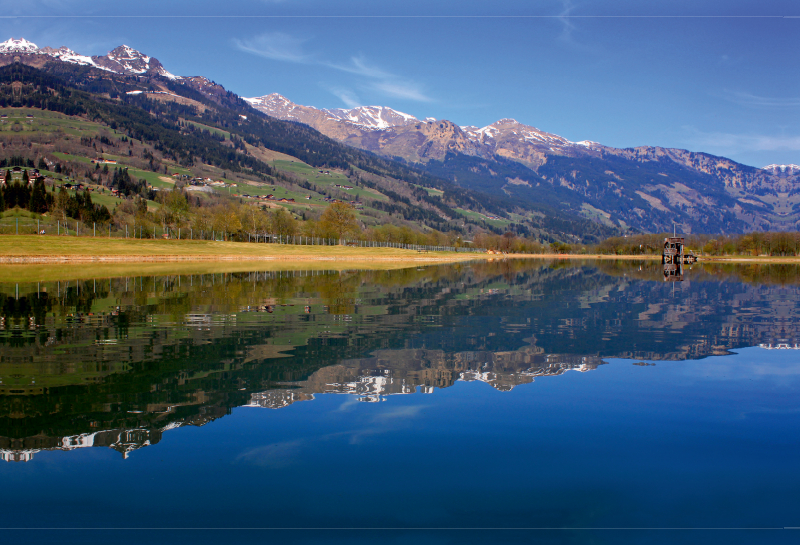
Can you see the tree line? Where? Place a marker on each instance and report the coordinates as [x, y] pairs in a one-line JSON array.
[[34, 196], [753, 244]]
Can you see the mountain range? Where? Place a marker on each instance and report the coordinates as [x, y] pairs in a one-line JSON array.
[[645, 188]]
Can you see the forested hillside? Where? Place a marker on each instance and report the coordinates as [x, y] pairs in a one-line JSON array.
[[169, 125]]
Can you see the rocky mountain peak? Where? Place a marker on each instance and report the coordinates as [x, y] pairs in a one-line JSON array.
[[125, 52], [122, 60], [61, 51], [505, 122], [126, 60], [373, 117]]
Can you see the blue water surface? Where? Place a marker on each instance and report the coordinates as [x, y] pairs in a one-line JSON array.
[[680, 451]]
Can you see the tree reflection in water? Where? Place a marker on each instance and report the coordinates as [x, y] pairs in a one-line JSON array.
[[118, 362]]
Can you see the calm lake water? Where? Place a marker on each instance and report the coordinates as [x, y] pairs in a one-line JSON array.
[[488, 403]]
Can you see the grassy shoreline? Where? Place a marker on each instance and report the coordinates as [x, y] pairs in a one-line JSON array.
[[83, 249], [44, 258], [135, 250]]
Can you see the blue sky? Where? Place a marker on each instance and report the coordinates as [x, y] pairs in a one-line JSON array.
[[718, 77]]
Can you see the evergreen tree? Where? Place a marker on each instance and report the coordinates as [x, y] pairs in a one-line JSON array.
[[42, 164], [25, 178], [2, 197], [38, 200]]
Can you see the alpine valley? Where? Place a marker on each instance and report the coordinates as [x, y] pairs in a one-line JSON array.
[[395, 167]]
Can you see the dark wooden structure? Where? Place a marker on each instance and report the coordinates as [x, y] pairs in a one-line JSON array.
[[674, 252], [673, 272]]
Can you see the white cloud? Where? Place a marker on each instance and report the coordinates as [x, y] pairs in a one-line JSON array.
[[276, 455], [398, 413], [359, 66], [567, 26], [284, 47], [382, 81], [348, 97], [727, 144], [748, 99], [277, 46], [401, 89]]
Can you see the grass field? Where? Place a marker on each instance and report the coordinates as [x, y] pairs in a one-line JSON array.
[[22, 245], [480, 217], [283, 257]]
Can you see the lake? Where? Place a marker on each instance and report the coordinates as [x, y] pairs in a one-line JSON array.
[[492, 402]]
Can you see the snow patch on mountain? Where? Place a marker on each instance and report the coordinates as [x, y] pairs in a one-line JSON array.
[[502, 135], [18, 45], [372, 117], [275, 105], [788, 169], [122, 60]]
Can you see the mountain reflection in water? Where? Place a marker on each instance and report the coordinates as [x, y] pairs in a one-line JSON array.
[[116, 363]]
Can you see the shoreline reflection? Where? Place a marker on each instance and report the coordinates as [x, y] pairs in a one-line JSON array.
[[118, 362]]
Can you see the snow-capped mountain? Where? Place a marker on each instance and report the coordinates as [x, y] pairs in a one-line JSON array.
[[121, 60], [279, 106], [65, 54], [388, 131], [126, 60], [373, 117], [365, 117], [504, 128]]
